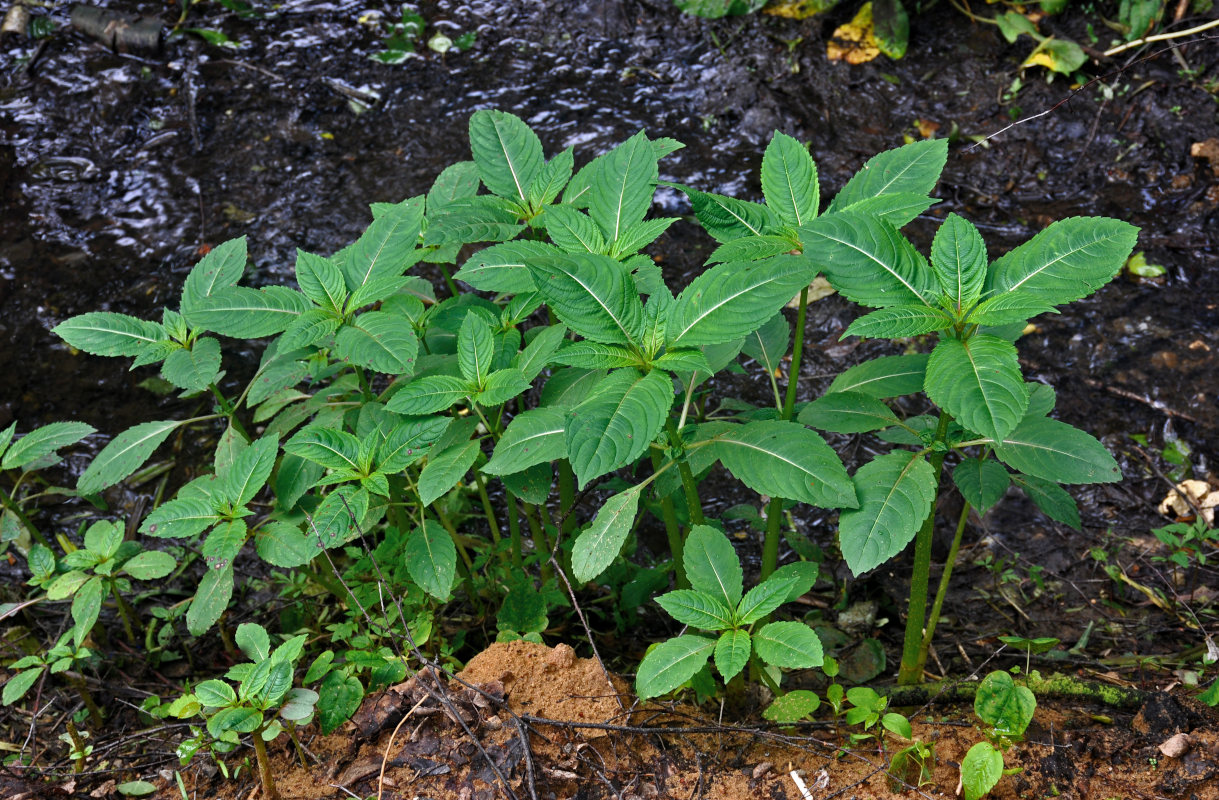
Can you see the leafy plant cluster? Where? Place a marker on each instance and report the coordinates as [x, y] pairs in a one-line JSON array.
[[439, 446]]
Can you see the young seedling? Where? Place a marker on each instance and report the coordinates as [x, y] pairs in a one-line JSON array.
[[1008, 709]]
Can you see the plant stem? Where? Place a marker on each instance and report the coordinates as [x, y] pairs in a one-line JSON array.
[[942, 590], [124, 612], [672, 530], [693, 504], [774, 509], [514, 531], [489, 511], [910, 671], [567, 495], [12, 505], [269, 792], [540, 542]]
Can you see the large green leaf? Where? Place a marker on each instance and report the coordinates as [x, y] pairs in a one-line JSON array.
[[732, 653], [752, 248], [789, 180], [43, 441], [475, 219], [339, 697], [500, 387], [1007, 309], [958, 258], [408, 442], [887, 376], [981, 769], [105, 333], [696, 609], [1068, 260], [670, 664], [712, 566], [248, 474], [475, 348], [150, 565], [764, 598], [899, 322], [1004, 705], [430, 394], [572, 230], [124, 455], [321, 281], [594, 355], [617, 422], [455, 182], [380, 341], [220, 268], [978, 382], [501, 267], [431, 559], [86, 606], [211, 599], [180, 518], [1053, 500], [788, 644], [283, 545], [914, 168], [507, 152], [786, 459], [536, 436], [533, 359], [847, 412], [768, 344], [622, 187], [445, 469], [385, 248], [982, 482], [594, 295], [598, 545], [1053, 450], [193, 368], [326, 446], [728, 219], [640, 235], [730, 301], [896, 209], [868, 261], [245, 313], [551, 179], [339, 516], [895, 493]]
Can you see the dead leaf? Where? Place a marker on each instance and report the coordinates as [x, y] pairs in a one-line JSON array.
[[818, 289], [1199, 492], [926, 127], [1208, 150], [798, 9], [1176, 746], [854, 42]]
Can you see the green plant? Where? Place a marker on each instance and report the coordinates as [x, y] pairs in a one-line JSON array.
[[715, 604], [55, 660], [20, 484], [1008, 709], [264, 684]]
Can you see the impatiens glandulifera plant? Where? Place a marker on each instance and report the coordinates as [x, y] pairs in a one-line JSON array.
[[20, 485], [715, 604]]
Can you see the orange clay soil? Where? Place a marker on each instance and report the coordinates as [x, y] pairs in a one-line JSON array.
[[409, 742]]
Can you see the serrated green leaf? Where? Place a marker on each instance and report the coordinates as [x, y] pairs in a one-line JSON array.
[[180, 518], [702, 611], [244, 313], [16, 687], [764, 598], [752, 248], [211, 599], [786, 459], [1042, 398], [455, 182], [532, 484], [1068, 260], [431, 559], [732, 653], [898, 322], [958, 258], [86, 606], [276, 376], [534, 358], [684, 360], [502, 267], [868, 261], [42, 442], [249, 473], [330, 448], [847, 412], [982, 482], [729, 301], [593, 295], [1055, 451], [793, 645], [224, 542], [500, 387], [1054, 501], [598, 545], [149, 565], [1008, 309], [253, 640], [507, 152], [379, 341], [124, 455], [897, 209], [712, 566], [670, 664], [978, 381], [728, 219], [339, 697], [430, 394], [617, 422], [639, 235], [768, 344], [219, 269], [296, 476], [551, 179], [536, 436], [339, 516], [594, 355], [444, 470], [106, 333], [215, 694], [474, 219], [569, 386], [408, 442], [475, 348], [573, 231], [194, 368], [895, 493], [623, 185], [386, 247], [914, 168], [793, 706], [789, 180], [321, 281], [803, 574], [281, 544], [887, 376]]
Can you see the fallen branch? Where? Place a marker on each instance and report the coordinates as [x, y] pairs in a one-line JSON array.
[[120, 32], [1056, 686]]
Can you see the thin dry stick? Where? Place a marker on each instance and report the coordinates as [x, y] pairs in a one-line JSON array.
[[1161, 37], [390, 746]]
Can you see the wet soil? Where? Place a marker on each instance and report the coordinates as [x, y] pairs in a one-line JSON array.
[[117, 171]]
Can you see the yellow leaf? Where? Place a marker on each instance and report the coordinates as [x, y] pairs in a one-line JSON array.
[[798, 9], [854, 42]]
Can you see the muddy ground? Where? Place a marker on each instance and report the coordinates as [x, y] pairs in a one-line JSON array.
[[117, 171]]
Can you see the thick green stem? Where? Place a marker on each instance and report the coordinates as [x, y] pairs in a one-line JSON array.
[[448, 281], [672, 530], [228, 410], [567, 496], [269, 792], [934, 617], [911, 672], [693, 504], [489, 512], [774, 509], [514, 531]]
